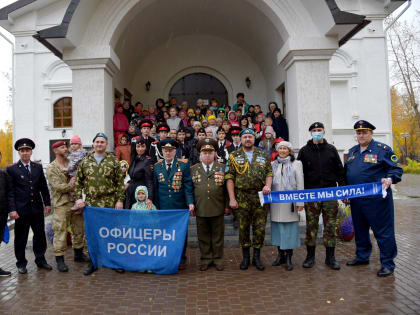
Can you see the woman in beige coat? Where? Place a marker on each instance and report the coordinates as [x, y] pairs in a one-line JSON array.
[[287, 175]]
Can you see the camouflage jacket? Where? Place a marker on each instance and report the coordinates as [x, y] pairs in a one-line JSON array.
[[58, 180], [103, 184], [249, 176]]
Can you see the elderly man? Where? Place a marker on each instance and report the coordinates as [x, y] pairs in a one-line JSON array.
[[173, 185], [99, 176], [28, 199], [61, 187], [367, 162], [210, 202], [249, 172]]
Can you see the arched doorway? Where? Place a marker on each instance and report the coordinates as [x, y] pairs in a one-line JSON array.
[[199, 85]]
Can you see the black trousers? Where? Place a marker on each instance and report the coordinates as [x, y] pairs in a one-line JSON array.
[[22, 225]]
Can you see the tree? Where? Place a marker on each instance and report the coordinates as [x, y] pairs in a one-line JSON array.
[[6, 146]]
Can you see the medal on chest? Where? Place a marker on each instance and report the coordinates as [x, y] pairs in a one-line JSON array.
[[196, 177], [371, 158], [161, 178], [351, 158], [219, 177], [177, 180]]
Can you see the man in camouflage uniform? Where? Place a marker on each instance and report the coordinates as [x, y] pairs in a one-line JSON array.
[[249, 172], [99, 176], [60, 187]]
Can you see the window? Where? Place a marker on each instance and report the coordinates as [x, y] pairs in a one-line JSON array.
[[63, 113]]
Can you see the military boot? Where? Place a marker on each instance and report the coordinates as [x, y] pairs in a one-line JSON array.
[[90, 269], [310, 257], [79, 256], [330, 259], [281, 257], [289, 254], [256, 259], [245, 259], [61, 265]]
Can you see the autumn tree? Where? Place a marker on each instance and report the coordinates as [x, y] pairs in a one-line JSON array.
[[6, 146]]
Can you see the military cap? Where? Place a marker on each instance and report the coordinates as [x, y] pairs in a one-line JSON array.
[[168, 144], [182, 129], [58, 144], [24, 143], [316, 125], [247, 131], [146, 123], [235, 130], [162, 127], [100, 134], [363, 125], [207, 144]]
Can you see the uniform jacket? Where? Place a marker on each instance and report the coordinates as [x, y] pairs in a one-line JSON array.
[[140, 173], [232, 147], [58, 181], [28, 193], [282, 212], [376, 162], [209, 190], [249, 176], [103, 184], [156, 154], [174, 190], [222, 151], [322, 166]]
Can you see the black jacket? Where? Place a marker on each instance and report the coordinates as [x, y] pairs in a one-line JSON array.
[[140, 173], [322, 166], [28, 193], [281, 128]]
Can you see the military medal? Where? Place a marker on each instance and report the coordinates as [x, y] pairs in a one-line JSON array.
[[177, 179], [196, 177], [219, 177], [371, 158], [161, 177]]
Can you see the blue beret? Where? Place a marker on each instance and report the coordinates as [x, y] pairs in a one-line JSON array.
[[247, 131], [100, 134], [363, 125]]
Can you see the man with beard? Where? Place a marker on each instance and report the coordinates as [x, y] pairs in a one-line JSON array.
[[249, 172], [60, 188]]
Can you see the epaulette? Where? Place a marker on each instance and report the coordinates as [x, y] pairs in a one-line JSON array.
[[383, 146], [183, 160], [36, 162], [158, 162], [195, 165], [155, 142]]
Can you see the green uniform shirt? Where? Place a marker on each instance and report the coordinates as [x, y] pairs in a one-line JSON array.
[[58, 180]]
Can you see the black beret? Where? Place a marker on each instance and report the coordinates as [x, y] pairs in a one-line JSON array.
[[316, 125]]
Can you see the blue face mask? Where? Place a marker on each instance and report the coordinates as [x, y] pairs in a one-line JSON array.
[[317, 136]]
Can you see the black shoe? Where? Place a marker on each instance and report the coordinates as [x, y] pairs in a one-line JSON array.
[[289, 254], [61, 265], [356, 262], [281, 257], [256, 261], [310, 257], [79, 256], [4, 273], [245, 259], [385, 272], [119, 270], [330, 259], [44, 265], [22, 270], [89, 270]]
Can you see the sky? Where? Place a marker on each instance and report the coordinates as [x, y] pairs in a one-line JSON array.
[[6, 57]]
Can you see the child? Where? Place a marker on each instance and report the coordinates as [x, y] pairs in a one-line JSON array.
[[120, 123], [267, 143], [124, 170], [75, 157], [141, 195], [123, 149]]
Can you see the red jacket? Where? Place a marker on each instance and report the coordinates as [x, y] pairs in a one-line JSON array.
[[120, 122]]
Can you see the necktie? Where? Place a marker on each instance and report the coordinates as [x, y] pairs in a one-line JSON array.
[[169, 168], [207, 169], [27, 168]]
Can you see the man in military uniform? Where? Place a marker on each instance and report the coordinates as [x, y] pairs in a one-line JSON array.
[[210, 201], [29, 199], [145, 127], [61, 187], [155, 153], [99, 176], [372, 161], [173, 185], [249, 172]]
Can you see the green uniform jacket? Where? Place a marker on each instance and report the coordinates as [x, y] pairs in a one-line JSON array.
[[103, 184], [210, 196], [58, 180], [249, 176]]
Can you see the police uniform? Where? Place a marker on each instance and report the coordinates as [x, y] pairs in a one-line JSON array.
[[28, 194], [249, 179], [173, 189], [210, 203], [372, 164]]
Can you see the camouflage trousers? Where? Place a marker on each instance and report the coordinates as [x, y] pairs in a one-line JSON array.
[[63, 217], [329, 211], [251, 213]]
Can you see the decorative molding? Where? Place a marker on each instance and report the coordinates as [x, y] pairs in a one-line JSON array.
[[306, 55], [94, 63]]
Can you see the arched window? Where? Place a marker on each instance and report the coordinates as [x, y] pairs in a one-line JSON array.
[[63, 113]]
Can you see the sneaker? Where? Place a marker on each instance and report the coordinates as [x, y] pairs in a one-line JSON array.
[[4, 273]]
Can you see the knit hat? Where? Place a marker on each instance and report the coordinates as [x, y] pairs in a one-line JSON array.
[[75, 139], [270, 129], [211, 117], [286, 144]]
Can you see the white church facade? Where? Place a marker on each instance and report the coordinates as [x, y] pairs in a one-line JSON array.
[[320, 60]]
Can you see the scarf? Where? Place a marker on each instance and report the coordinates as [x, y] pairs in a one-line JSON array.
[[287, 179]]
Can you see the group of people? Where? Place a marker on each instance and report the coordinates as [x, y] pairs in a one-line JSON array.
[[157, 174]]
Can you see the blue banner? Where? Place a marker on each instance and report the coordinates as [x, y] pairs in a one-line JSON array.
[[136, 240], [6, 234], [323, 194]]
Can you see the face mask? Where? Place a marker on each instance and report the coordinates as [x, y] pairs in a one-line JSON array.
[[317, 136]]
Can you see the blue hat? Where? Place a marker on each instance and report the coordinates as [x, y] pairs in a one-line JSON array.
[[247, 131], [100, 134], [168, 144], [363, 125]]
